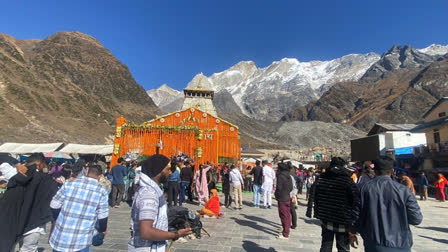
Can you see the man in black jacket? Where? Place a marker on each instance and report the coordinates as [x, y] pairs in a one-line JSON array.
[[282, 195], [385, 211], [31, 192], [257, 171], [334, 196]]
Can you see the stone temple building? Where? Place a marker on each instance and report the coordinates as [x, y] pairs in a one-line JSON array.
[[199, 98]]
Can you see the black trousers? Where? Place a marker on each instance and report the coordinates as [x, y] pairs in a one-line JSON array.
[[292, 209], [299, 186], [227, 198], [117, 194], [342, 241], [173, 192]]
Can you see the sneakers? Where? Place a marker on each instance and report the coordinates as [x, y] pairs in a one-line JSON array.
[[281, 237], [269, 207]]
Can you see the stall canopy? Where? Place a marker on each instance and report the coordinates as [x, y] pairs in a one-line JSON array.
[[88, 149], [23, 148]]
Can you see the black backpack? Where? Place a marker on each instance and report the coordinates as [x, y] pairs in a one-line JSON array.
[[181, 217]]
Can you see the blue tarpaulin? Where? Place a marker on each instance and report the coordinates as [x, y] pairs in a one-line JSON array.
[[403, 150]]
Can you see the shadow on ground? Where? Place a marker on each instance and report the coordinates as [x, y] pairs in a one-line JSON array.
[[439, 229], [255, 226], [311, 221], [258, 219], [252, 246], [435, 239]]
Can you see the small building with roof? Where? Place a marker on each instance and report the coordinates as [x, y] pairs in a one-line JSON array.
[[435, 128], [387, 139]]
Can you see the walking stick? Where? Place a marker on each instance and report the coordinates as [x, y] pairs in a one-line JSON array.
[[206, 232]]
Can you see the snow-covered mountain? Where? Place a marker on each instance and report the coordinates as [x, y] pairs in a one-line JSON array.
[[164, 95], [434, 50], [268, 93]]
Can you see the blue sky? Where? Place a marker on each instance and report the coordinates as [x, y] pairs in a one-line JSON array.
[[170, 41]]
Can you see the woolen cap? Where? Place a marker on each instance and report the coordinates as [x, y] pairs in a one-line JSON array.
[[337, 161], [383, 164], [154, 165]]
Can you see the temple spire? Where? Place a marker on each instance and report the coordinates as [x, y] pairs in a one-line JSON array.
[[199, 82]]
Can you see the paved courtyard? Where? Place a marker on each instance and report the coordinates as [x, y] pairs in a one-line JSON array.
[[254, 229]]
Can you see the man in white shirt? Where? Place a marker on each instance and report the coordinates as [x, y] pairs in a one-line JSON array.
[[237, 184], [268, 182]]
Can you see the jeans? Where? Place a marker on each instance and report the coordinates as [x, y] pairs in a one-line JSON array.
[[29, 242], [126, 189], [117, 194], [238, 197], [342, 241], [285, 216], [257, 193], [184, 187], [173, 192]]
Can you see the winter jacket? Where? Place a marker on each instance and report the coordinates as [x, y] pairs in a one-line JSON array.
[[284, 186], [422, 180], [225, 180], [335, 193], [384, 212], [26, 205], [257, 171]]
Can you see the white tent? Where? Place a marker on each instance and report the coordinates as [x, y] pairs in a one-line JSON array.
[[88, 149], [23, 148], [249, 160], [293, 162]]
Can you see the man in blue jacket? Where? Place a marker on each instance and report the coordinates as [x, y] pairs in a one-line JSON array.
[[422, 183], [384, 212]]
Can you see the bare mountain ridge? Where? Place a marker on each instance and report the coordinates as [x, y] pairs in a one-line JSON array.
[[399, 93], [67, 87]]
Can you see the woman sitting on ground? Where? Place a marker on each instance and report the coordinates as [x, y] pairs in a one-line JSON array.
[[211, 208]]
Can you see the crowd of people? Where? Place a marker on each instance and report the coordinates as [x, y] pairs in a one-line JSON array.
[[368, 199]]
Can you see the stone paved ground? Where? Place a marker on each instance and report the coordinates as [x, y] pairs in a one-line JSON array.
[[253, 229]]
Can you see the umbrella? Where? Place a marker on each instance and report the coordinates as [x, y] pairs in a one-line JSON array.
[[56, 154]]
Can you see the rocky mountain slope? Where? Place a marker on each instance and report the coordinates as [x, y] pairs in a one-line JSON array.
[[401, 58], [280, 135], [399, 88], [67, 87]]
